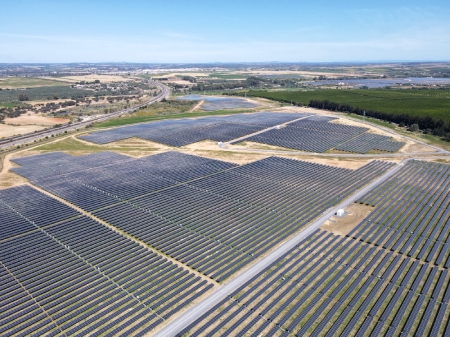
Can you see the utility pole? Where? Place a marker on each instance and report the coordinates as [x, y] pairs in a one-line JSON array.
[[364, 116]]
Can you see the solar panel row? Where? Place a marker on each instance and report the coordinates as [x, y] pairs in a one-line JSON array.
[[331, 285], [412, 214], [65, 274], [318, 134], [187, 131], [217, 223]]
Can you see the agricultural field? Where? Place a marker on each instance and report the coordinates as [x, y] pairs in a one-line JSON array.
[[433, 103], [42, 93], [26, 82]]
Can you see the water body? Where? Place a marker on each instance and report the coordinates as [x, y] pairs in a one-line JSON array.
[[213, 103], [380, 83]]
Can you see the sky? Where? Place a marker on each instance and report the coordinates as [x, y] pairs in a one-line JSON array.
[[191, 31]]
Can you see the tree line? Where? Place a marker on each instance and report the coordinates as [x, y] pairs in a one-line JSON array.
[[437, 127]]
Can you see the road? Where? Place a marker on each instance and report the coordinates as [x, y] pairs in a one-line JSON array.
[[18, 140], [265, 130], [223, 291]]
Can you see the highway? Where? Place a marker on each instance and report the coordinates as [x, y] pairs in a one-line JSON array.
[[18, 140], [225, 290]]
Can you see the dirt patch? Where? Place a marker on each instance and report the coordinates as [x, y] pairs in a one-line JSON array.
[[210, 149], [196, 106], [372, 129], [133, 142], [253, 145], [32, 119], [229, 156], [412, 147], [7, 178], [11, 179], [91, 78], [347, 163], [179, 81], [15, 130], [307, 74], [292, 108], [344, 225]]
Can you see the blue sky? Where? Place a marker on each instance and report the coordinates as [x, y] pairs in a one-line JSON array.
[[224, 31]]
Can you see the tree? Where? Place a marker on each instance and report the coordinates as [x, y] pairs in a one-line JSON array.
[[413, 128], [23, 97]]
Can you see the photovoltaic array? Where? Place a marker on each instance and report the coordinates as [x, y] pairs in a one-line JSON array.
[[330, 285], [311, 133], [186, 131], [65, 274], [368, 141], [317, 134], [411, 214], [213, 216], [388, 277]]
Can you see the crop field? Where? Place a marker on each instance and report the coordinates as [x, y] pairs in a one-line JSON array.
[[64, 274], [186, 131], [195, 209], [42, 93], [317, 134], [228, 76], [26, 82], [434, 103], [388, 277]]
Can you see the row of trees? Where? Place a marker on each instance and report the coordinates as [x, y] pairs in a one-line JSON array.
[[438, 127], [12, 112]]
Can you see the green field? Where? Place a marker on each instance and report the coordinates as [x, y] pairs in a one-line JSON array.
[[8, 105], [228, 76], [27, 82], [433, 103], [42, 93]]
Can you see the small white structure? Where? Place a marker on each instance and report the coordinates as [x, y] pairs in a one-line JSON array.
[[340, 212]]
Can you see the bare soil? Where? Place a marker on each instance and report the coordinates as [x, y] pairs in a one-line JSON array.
[[412, 147], [134, 142], [91, 78], [196, 106], [373, 129], [13, 130], [344, 225], [33, 119], [11, 179]]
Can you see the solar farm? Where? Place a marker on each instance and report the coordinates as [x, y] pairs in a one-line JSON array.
[[212, 103], [389, 277], [179, 243], [298, 131], [317, 134]]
